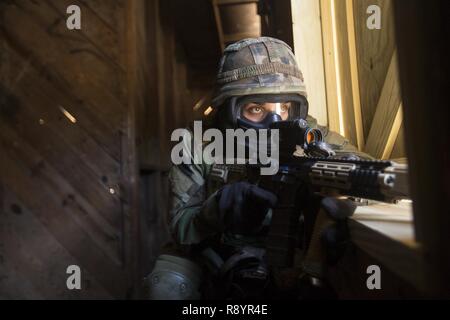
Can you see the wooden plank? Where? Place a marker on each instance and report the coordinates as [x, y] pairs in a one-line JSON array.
[[387, 116], [34, 113], [85, 177], [424, 67], [354, 72], [94, 31], [281, 18], [392, 138], [75, 183], [400, 213], [344, 74], [148, 118], [15, 285], [168, 69], [26, 82], [55, 52], [110, 13], [46, 204], [308, 50], [18, 69], [334, 106], [374, 51], [94, 37], [28, 249], [343, 101], [399, 149], [153, 187], [165, 78], [386, 232], [239, 21], [161, 85], [69, 200], [167, 89], [219, 27], [349, 278], [135, 16]]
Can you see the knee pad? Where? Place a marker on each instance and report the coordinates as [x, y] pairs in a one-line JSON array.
[[174, 278]]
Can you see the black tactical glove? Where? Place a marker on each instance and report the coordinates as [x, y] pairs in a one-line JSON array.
[[336, 237], [243, 207]]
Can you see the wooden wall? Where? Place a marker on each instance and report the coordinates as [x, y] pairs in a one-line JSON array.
[[178, 63], [85, 124], [68, 175], [379, 81], [422, 30]]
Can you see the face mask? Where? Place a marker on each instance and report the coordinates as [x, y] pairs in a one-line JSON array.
[[260, 111]]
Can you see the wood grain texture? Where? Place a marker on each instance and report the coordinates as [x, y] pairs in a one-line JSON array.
[[345, 73], [308, 50], [424, 73], [354, 72], [399, 149], [386, 232], [71, 183], [393, 135], [387, 120], [25, 238], [217, 18], [342, 117], [356, 61], [349, 278], [403, 258], [374, 51], [330, 64]]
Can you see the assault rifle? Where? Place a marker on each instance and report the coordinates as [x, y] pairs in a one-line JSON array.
[[321, 171]]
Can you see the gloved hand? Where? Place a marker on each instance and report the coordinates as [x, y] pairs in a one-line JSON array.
[[336, 237], [243, 207]]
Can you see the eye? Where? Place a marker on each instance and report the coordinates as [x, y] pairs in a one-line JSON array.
[[255, 109]]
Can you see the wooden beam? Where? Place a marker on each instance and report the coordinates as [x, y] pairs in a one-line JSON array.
[[354, 74], [43, 193], [342, 54], [330, 65], [424, 70], [309, 53], [30, 249], [392, 138], [374, 51], [339, 73], [218, 20], [386, 232], [137, 79], [399, 149], [387, 112]]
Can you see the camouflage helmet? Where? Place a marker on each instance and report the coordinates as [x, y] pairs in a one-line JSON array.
[[257, 66]]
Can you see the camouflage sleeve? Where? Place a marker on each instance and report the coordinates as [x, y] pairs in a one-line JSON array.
[[193, 218], [339, 143]]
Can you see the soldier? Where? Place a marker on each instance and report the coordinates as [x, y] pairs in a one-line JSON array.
[[220, 224]]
